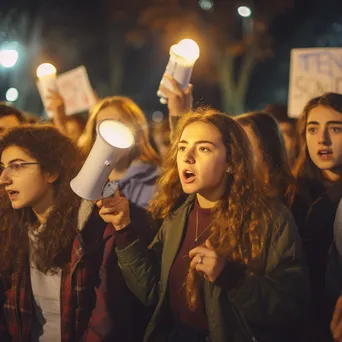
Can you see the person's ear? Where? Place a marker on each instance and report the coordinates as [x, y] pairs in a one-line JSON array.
[[229, 169], [52, 177]]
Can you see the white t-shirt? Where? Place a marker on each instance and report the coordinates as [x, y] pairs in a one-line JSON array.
[[46, 293]]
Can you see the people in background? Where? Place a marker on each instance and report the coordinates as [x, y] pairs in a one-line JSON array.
[[9, 117], [75, 125], [160, 134], [288, 128], [270, 158], [70, 125]]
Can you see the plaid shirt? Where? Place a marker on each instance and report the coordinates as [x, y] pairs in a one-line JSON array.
[[95, 302]]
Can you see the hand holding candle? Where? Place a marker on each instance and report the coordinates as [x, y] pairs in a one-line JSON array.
[[46, 74], [179, 101], [182, 59]]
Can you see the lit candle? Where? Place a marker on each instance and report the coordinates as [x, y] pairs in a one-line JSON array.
[[46, 74], [181, 62], [46, 69]]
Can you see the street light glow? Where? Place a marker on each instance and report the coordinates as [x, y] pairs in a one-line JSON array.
[[8, 58], [244, 11], [206, 5], [12, 95]]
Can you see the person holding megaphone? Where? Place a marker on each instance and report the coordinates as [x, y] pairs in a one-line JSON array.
[[136, 172], [59, 276], [226, 264]]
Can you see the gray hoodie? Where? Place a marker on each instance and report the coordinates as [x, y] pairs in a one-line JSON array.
[[138, 185]]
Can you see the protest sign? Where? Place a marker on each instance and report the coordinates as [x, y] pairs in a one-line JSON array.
[[75, 89], [313, 72]]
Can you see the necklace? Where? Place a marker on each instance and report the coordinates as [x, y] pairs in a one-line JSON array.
[[198, 236]]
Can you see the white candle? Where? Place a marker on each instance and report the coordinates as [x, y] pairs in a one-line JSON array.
[[181, 62], [46, 74]]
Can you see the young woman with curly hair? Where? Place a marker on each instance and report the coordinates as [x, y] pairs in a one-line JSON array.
[[227, 261], [59, 275]]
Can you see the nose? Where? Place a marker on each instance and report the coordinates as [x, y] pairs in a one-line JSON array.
[[5, 179], [324, 137], [189, 156]]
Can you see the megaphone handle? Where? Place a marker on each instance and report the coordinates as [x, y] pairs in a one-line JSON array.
[[110, 189]]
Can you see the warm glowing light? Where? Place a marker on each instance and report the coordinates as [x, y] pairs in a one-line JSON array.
[[116, 133], [45, 69], [244, 11], [187, 49]]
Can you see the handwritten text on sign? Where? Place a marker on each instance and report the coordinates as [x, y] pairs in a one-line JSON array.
[[313, 73], [75, 88]]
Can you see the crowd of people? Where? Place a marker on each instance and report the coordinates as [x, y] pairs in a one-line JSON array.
[[226, 229]]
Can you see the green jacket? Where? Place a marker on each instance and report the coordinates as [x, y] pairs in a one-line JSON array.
[[277, 299]]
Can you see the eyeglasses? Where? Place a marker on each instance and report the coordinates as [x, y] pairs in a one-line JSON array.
[[14, 169]]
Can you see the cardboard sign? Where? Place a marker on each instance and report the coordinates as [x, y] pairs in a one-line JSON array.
[[75, 88], [313, 73]]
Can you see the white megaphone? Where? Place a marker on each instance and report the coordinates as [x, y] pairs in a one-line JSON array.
[[113, 139]]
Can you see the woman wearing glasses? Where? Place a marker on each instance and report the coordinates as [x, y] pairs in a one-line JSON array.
[[56, 253]]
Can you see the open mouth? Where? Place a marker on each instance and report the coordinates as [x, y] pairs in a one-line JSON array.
[[188, 176], [12, 193], [325, 153]]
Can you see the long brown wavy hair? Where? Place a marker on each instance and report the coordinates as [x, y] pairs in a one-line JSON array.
[[55, 153], [242, 216], [134, 117], [305, 170], [272, 147]]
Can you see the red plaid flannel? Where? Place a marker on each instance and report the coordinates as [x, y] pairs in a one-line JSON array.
[[95, 302]]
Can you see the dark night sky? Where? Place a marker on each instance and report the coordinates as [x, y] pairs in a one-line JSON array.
[[312, 23], [307, 25]]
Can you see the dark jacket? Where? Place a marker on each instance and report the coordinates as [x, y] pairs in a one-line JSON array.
[[96, 305], [315, 219], [333, 280], [269, 302]]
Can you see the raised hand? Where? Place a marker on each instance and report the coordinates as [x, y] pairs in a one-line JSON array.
[[55, 105], [179, 101]]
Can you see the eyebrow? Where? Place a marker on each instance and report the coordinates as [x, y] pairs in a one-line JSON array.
[[13, 161], [198, 142], [328, 123]]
